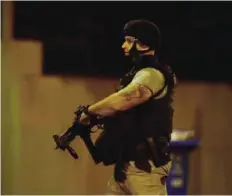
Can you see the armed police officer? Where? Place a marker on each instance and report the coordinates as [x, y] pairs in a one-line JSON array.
[[138, 117]]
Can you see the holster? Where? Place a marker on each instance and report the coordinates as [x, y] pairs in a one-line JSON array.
[[151, 148], [159, 150]]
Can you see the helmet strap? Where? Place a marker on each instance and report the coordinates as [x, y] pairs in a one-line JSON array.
[[135, 54]]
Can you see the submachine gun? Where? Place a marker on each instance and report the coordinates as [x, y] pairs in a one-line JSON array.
[[83, 131]]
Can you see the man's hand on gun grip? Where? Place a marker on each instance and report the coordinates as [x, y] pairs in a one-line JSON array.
[[84, 119]]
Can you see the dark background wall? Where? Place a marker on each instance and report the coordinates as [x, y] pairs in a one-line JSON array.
[[86, 37]]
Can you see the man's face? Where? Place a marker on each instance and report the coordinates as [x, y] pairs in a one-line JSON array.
[[127, 44]]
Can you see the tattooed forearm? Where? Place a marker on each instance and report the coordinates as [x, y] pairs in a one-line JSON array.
[[126, 98], [135, 91]]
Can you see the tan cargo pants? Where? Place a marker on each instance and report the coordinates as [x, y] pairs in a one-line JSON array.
[[139, 182]]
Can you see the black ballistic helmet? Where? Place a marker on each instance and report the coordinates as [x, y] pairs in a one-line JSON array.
[[145, 31]]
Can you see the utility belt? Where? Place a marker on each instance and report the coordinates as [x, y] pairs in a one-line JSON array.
[[142, 155], [151, 149], [118, 151]]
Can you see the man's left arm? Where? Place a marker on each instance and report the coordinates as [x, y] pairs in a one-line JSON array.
[[145, 83], [127, 98]]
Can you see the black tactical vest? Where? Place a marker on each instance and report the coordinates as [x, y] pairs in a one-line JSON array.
[[124, 132]]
